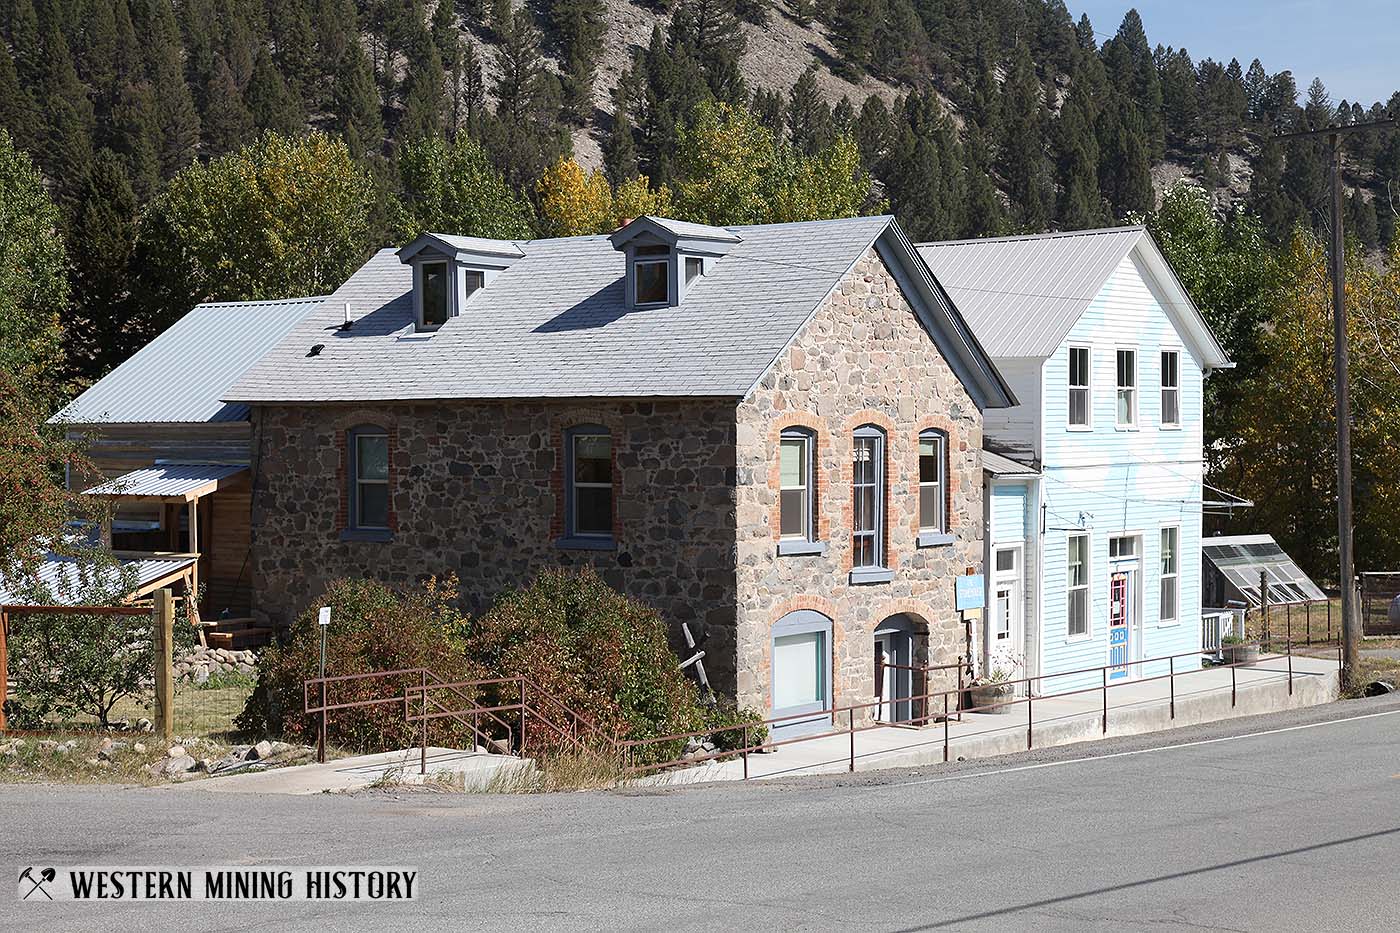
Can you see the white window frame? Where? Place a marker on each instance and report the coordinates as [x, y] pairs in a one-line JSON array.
[[357, 436], [573, 485], [1086, 587], [1174, 390], [1087, 388], [447, 289], [939, 485], [808, 487], [1120, 388], [1173, 577]]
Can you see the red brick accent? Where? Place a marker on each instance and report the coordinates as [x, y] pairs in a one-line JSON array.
[[821, 454], [816, 604]]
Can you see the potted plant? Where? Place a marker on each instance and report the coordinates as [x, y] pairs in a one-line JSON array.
[[1234, 650], [993, 687]]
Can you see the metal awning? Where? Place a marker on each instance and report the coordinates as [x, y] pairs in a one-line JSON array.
[[1243, 559], [58, 577], [170, 482], [998, 465]]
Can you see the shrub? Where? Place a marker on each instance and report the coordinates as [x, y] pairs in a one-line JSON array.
[[373, 628], [69, 665], [724, 715], [598, 652]]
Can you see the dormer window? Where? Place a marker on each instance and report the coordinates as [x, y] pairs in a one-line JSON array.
[[448, 270], [652, 274], [435, 294], [665, 258]]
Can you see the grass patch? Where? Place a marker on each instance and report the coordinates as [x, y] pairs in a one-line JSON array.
[[1372, 669], [565, 771]]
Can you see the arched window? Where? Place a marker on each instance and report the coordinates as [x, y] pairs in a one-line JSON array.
[[588, 483], [797, 492], [801, 672], [367, 450], [867, 500], [933, 482]]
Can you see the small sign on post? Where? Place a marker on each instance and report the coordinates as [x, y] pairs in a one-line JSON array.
[[971, 592], [323, 618]]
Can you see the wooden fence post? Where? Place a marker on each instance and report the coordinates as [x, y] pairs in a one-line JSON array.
[[165, 675]]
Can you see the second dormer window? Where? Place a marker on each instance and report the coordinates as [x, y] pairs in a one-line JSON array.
[[652, 275], [435, 294]]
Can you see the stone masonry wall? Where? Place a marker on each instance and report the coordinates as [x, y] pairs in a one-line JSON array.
[[862, 359], [477, 489]]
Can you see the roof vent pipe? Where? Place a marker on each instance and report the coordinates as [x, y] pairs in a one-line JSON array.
[[347, 323]]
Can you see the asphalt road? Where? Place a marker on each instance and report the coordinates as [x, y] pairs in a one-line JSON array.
[[1283, 822]]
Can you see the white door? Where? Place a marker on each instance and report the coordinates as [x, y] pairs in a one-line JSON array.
[[885, 684], [1006, 634]]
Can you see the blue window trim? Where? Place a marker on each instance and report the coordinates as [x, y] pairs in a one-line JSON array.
[[572, 538], [868, 574], [353, 530], [801, 622]]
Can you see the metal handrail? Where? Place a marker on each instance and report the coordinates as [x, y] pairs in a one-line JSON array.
[[626, 747]]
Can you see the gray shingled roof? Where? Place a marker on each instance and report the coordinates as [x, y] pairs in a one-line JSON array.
[[1022, 294], [555, 325], [184, 374]]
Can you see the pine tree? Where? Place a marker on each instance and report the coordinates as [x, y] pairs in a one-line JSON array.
[[1179, 103], [294, 43], [1131, 68], [227, 120], [710, 31], [620, 152], [1256, 80], [174, 106], [99, 327], [355, 104], [525, 135], [66, 153], [853, 34], [1125, 166], [18, 113], [270, 101], [1022, 150], [809, 121]]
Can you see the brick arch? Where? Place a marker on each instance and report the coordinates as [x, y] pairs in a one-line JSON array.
[[560, 422], [794, 604], [822, 456]]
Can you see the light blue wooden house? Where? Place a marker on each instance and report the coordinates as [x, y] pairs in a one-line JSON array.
[[1093, 482]]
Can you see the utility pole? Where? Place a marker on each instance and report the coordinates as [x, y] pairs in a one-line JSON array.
[[1351, 620]]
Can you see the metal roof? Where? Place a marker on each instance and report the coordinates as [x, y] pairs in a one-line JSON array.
[[555, 325], [56, 578], [168, 481], [1022, 294], [999, 465], [1241, 559], [183, 374]]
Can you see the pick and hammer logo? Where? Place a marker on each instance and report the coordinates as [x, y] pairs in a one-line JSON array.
[[33, 882]]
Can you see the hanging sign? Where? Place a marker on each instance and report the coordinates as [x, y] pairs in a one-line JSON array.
[[971, 592]]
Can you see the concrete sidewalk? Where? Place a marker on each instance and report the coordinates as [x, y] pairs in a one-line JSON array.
[[451, 766], [1133, 708]]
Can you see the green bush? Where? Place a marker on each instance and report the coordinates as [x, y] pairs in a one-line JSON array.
[[724, 715], [373, 628], [598, 652], [65, 665]]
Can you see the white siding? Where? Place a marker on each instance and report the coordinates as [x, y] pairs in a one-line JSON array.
[[1111, 481]]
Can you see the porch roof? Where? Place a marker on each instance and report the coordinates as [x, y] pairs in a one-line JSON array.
[[169, 482], [999, 465], [58, 576]]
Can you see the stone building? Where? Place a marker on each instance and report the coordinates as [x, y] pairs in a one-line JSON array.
[[771, 433]]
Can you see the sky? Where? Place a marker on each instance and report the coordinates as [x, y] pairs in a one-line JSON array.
[[1352, 45]]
